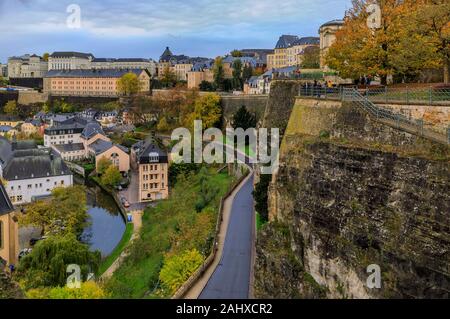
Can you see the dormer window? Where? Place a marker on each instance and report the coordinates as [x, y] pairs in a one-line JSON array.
[[153, 157]]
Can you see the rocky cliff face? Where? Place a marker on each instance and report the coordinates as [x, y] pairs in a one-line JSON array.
[[352, 193]]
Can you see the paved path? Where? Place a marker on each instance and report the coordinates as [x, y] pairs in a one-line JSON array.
[[137, 224], [231, 278]]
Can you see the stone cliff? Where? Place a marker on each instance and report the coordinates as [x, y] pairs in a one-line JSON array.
[[351, 193]]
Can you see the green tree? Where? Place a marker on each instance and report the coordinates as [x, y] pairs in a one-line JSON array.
[[169, 78], [219, 73], [236, 53], [311, 58], [206, 86], [47, 264], [237, 74], [111, 177], [178, 268], [46, 108], [102, 165], [3, 81], [11, 108], [129, 84], [260, 194], [243, 119], [247, 72]]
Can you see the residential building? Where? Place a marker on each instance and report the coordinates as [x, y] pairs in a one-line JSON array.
[[327, 33], [70, 152], [246, 61], [68, 132], [288, 51], [10, 120], [181, 65], [181, 70], [91, 82], [107, 118], [27, 66], [117, 154], [32, 126], [201, 71], [152, 165], [31, 172], [258, 54], [69, 61], [9, 230]]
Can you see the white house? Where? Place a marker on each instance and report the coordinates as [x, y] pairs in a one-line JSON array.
[[31, 173], [66, 132]]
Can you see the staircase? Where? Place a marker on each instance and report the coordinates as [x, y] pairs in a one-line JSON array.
[[393, 119]]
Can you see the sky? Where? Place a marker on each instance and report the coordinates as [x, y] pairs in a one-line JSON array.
[[143, 28]]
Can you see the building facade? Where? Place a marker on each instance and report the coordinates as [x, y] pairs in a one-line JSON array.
[[91, 82], [126, 63], [289, 50], [69, 61], [152, 165], [27, 66], [327, 37]]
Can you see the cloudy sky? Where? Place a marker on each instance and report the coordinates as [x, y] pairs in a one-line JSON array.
[[143, 28]]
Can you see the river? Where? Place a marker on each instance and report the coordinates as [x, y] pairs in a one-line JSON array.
[[106, 223]]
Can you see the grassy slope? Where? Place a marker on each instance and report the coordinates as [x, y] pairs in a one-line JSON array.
[[140, 271]]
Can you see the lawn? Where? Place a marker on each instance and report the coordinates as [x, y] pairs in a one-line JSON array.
[[259, 222], [108, 261], [172, 227]]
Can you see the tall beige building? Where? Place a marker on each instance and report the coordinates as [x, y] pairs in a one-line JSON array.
[[327, 37], [152, 164], [9, 230]]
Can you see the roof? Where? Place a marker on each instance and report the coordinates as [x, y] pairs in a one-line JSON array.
[[6, 152], [307, 40], [72, 147], [91, 129], [9, 118], [145, 148], [93, 73], [100, 146], [285, 41], [120, 60], [5, 204], [71, 54], [245, 60], [167, 54], [337, 22], [36, 163]]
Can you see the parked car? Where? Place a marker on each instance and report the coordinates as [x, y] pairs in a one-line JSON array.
[[125, 203], [24, 252]]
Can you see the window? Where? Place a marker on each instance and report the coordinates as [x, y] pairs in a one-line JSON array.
[[19, 198], [29, 186]]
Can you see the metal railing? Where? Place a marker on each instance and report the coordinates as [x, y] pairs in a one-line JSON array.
[[417, 127], [385, 95]]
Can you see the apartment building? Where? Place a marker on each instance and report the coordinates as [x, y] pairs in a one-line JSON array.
[[27, 66], [101, 82], [31, 172], [125, 63], [68, 132], [3, 70], [201, 71], [152, 165]]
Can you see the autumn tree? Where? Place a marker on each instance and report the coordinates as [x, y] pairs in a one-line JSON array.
[[11, 108], [207, 109], [129, 84], [219, 73], [236, 53], [65, 212], [178, 268], [162, 126], [102, 165], [45, 56]]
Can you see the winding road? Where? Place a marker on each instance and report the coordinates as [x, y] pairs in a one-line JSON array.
[[231, 278]]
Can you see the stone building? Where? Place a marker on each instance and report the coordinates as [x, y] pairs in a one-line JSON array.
[[288, 51], [9, 230], [69, 61], [327, 37], [27, 66]]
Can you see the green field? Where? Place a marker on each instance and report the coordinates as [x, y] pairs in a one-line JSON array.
[[172, 227]]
